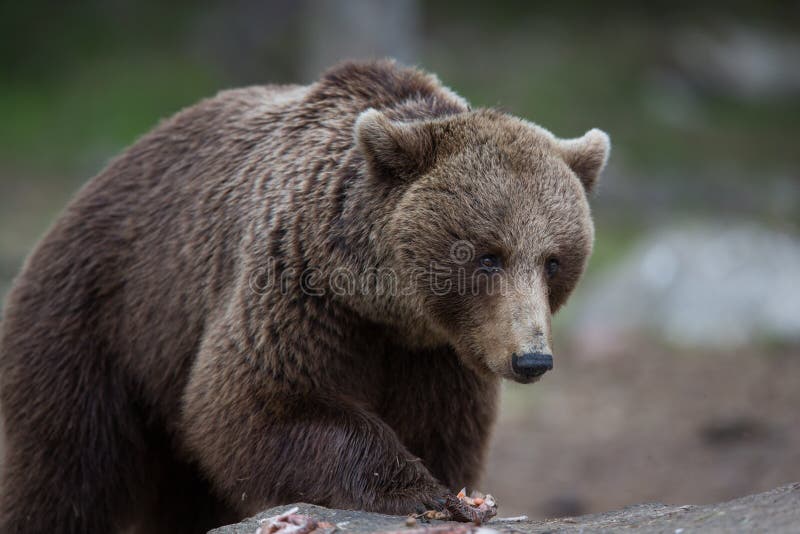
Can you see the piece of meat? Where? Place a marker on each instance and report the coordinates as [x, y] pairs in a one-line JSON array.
[[290, 522], [477, 508]]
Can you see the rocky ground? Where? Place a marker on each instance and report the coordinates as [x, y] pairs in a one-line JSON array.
[[773, 511]]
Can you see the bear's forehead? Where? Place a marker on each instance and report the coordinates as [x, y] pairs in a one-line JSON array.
[[489, 126], [512, 173], [520, 205], [491, 140], [505, 167]]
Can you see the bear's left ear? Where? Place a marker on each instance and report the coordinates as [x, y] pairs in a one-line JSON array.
[[587, 155], [394, 149]]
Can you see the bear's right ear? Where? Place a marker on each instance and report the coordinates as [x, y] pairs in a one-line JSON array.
[[587, 156], [394, 149]]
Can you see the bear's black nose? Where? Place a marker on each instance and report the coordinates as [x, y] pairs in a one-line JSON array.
[[532, 364]]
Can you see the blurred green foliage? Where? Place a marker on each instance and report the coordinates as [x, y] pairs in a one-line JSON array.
[[94, 111], [84, 79]]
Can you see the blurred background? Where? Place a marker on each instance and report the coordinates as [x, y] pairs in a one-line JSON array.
[[677, 372]]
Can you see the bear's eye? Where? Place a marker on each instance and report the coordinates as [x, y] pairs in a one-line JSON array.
[[551, 267], [490, 262]]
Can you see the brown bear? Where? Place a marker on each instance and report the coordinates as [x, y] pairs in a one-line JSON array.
[[288, 293]]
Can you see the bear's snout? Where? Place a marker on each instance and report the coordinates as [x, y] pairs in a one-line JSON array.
[[531, 364]]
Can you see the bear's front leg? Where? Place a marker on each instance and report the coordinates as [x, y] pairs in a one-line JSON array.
[[262, 445]]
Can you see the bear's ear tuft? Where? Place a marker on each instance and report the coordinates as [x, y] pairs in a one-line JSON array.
[[587, 155], [394, 148]]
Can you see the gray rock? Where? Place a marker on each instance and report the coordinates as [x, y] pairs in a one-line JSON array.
[[773, 511], [707, 286]]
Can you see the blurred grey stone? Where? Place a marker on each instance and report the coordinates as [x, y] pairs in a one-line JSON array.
[[250, 41], [740, 60], [360, 29], [294, 41], [706, 285]]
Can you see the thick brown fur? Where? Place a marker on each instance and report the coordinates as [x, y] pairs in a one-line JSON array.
[[167, 365]]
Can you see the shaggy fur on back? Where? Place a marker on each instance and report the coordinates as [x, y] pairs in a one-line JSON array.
[[170, 360]]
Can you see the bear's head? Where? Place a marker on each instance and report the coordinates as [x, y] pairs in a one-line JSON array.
[[492, 229]]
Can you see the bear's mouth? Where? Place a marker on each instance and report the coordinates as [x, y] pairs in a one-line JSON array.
[[525, 379]]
